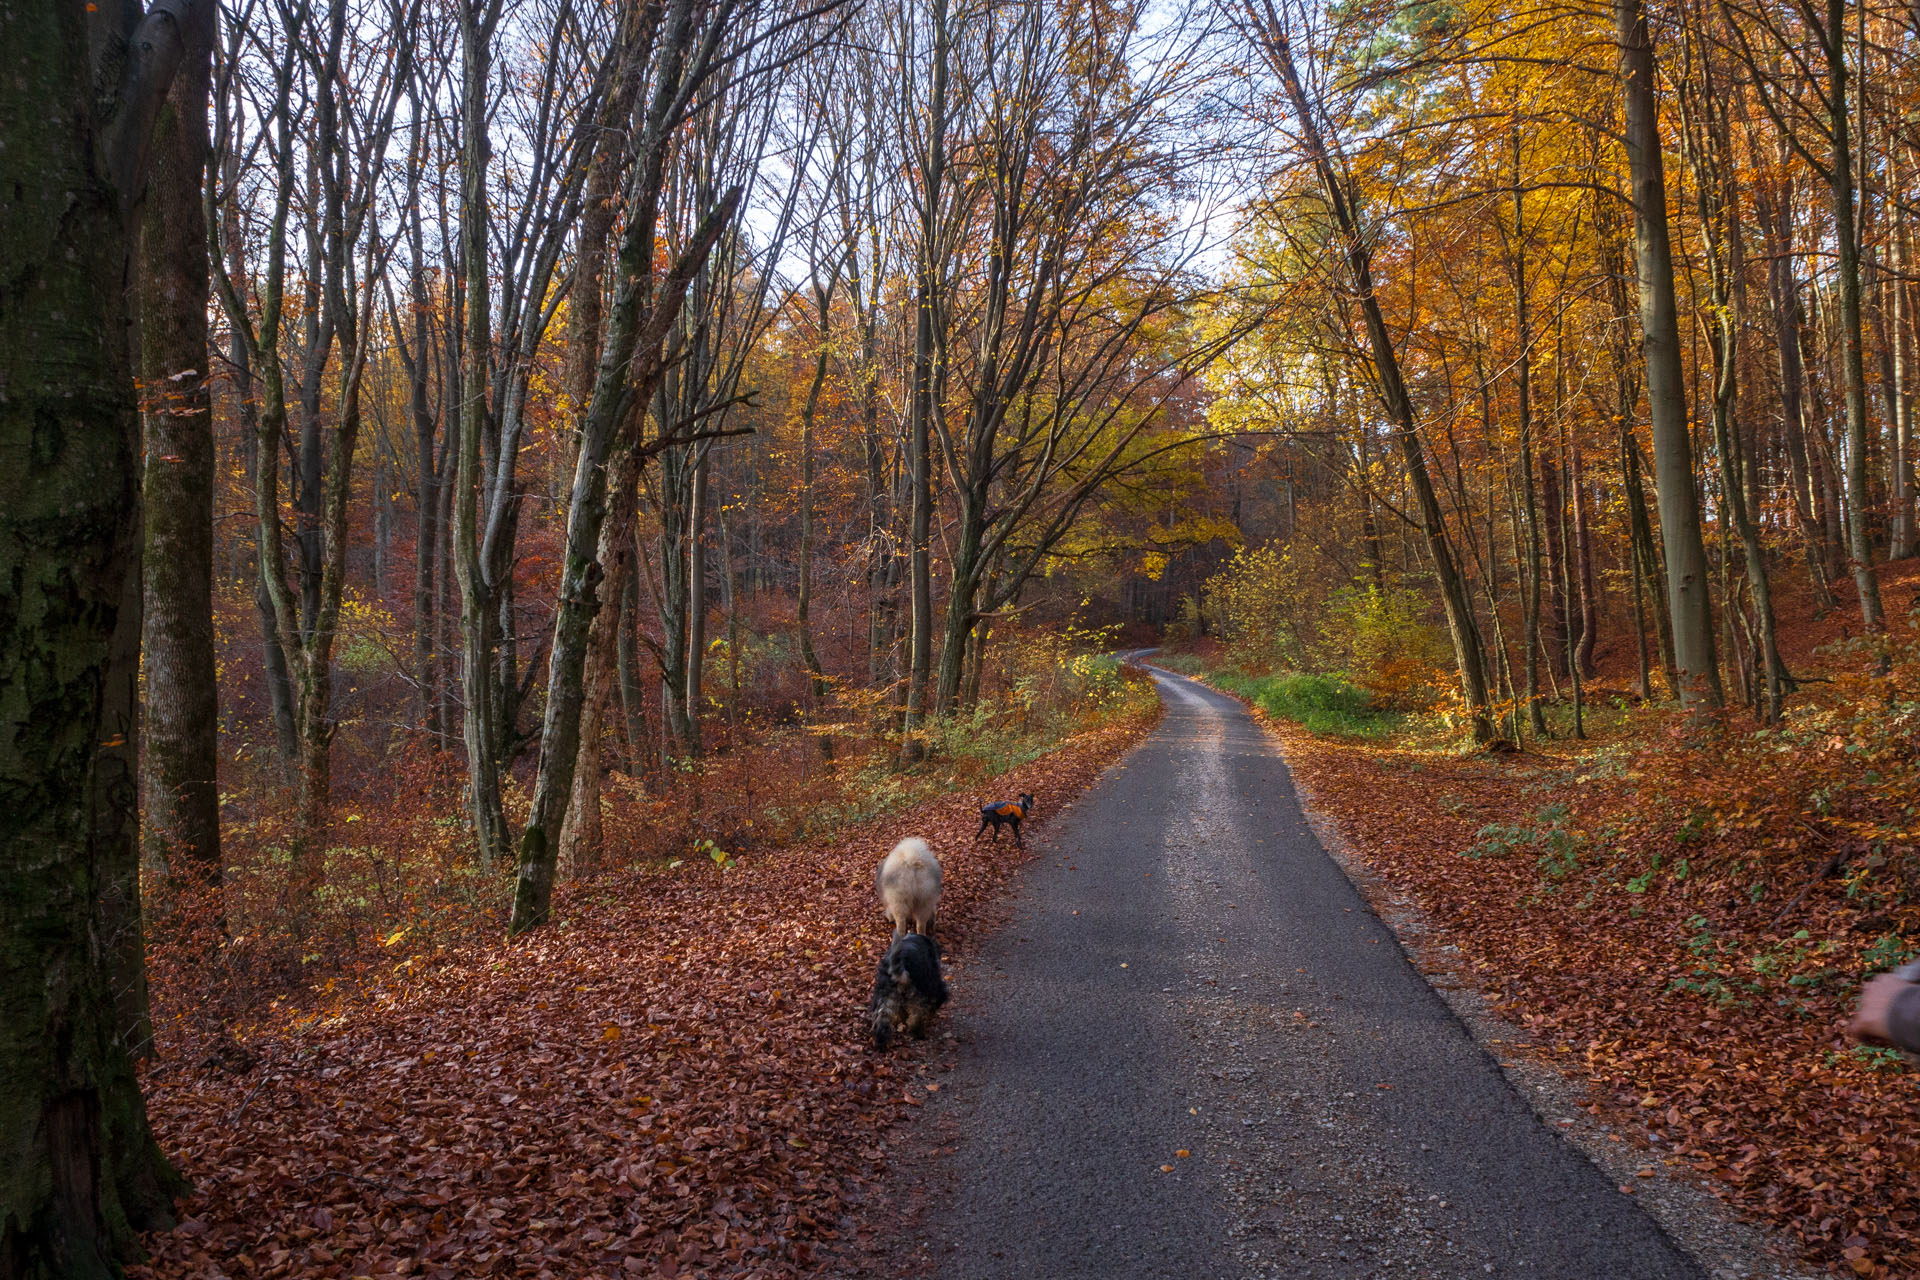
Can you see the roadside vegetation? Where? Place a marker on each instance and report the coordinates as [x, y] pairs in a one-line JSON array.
[[1678, 913], [400, 884], [689, 1024]]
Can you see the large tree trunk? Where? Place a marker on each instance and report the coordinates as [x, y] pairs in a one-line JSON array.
[[82, 1172], [1686, 554], [977, 657], [581, 831], [181, 723], [963, 597], [585, 301]]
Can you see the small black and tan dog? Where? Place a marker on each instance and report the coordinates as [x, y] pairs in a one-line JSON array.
[[1008, 812], [908, 990]]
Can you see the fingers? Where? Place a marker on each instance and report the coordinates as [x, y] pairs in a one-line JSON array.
[[1870, 1020]]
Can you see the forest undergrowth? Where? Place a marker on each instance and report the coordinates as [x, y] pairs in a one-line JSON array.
[[672, 1079], [1680, 915]]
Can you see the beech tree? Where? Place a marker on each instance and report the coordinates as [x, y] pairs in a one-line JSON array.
[[180, 726], [354, 90], [513, 231], [80, 90], [1688, 601], [1271, 37], [685, 44]]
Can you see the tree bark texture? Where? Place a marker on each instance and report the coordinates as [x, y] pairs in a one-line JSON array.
[[581, 835], [1686, 554], [79, 1170], [181, 720]]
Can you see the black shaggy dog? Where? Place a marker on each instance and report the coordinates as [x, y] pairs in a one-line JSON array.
[[1009, 812], [908, 989]]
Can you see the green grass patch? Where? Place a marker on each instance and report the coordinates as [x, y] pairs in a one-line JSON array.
[[1318, 704]]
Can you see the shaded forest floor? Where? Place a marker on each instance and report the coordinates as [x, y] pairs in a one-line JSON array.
[[671, 1079], [1680, 920]]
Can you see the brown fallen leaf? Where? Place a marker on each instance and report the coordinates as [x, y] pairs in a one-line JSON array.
[[732, 1128]]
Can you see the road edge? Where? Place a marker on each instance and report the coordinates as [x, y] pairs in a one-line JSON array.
[[1725, 1245], [880, 1237]]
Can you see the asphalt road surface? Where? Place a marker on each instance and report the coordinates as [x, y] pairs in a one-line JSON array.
[[1190, 981]]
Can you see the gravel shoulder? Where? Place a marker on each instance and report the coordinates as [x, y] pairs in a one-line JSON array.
[[1726, 1245], [1195, 1050]]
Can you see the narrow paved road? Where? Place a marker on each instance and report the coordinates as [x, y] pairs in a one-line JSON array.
[[1189, 972]]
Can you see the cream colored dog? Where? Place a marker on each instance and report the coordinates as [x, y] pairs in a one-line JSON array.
[[909, 887]]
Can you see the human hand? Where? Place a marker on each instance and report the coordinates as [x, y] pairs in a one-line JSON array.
[[1876, 1004]]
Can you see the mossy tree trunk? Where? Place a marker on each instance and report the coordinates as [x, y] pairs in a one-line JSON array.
[[79, 1170], [1674, 482], [180, 726]]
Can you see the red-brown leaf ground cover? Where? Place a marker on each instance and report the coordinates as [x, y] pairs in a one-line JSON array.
[[670, 1079], [1681, 919]]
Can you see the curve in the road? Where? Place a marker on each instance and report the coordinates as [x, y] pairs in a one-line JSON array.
[[1188, 971]]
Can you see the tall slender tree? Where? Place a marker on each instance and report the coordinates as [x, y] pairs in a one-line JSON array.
[[180, 725], [1688, 601], [1271, 37]]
